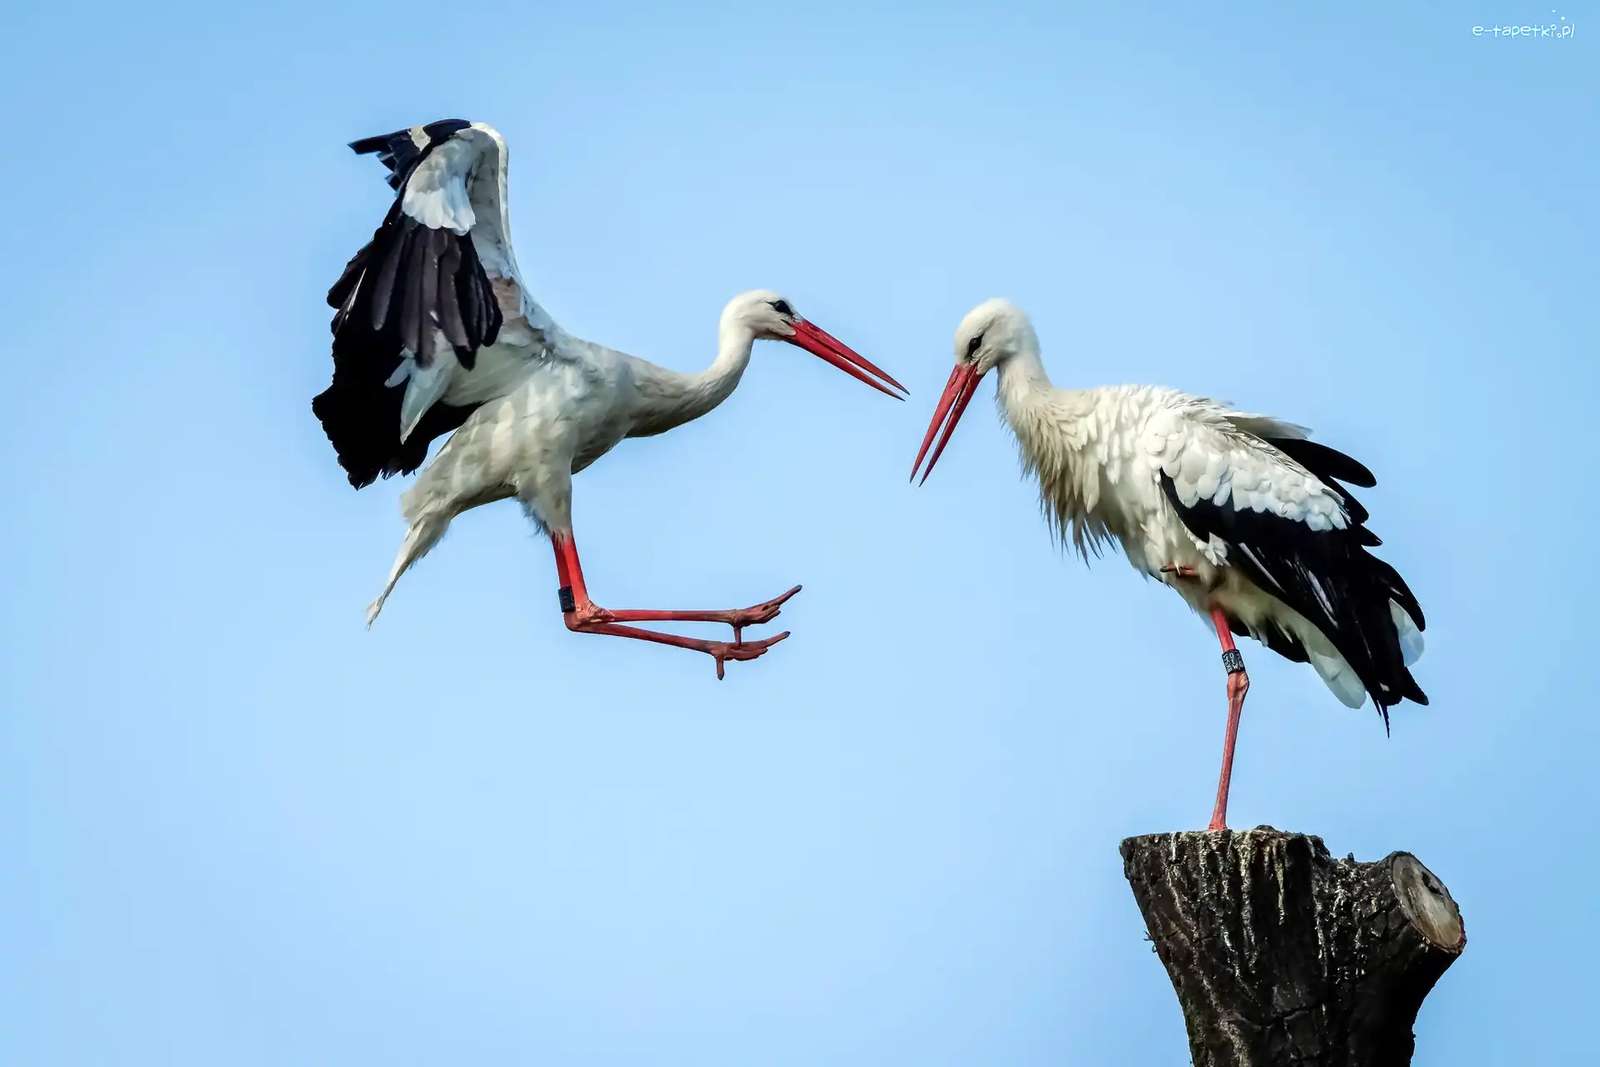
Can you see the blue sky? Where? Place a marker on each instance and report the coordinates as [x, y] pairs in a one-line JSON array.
[[239, 828]]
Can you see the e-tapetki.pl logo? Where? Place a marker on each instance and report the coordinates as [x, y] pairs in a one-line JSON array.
[[1562, 29]]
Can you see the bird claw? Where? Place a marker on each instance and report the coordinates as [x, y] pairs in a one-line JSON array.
[[757, 614], [587, 617], [1180, 570], [722, 651]]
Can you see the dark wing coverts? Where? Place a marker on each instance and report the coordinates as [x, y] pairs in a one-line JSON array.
[[417, 290]]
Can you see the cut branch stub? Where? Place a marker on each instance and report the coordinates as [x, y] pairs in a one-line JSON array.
[[1281, 954]]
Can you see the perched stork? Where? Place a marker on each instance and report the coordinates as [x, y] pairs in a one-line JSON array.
[[1242, 515], [436, 332]]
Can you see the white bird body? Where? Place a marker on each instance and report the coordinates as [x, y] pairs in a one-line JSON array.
[[436, 332], [569, 408], [1098, 456], [1149, 468]]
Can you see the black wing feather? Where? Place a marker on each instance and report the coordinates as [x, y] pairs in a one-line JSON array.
[[400, 152], [392, 294], [455, 331], [1323, 461], [362, 420], [1293, 562]]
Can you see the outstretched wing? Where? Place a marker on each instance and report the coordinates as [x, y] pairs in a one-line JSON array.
[[415, 306], [1269, 501], [402, 150]]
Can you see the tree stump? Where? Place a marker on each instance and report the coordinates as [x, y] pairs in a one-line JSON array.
[[1281, 954]]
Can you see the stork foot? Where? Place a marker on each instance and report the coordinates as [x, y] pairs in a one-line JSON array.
[[723, 651], [757, 614], [587, 614], [1180, 570]]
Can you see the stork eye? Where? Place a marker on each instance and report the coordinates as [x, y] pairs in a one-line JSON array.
[[782, 307], [972, 346]]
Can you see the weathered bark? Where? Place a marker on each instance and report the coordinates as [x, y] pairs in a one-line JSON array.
[[1281, 954]]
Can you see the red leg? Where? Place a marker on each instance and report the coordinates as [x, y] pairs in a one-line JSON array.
[[1238, 686], [585, 616]]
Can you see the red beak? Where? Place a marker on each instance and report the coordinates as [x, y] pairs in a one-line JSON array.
[[957, 395], [830, 349]]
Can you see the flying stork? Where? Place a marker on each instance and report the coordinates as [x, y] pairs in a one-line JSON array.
[[1242, 515], [435, 332]]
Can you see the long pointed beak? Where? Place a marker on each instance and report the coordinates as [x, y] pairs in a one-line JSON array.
[[830, 349], [957, 395]]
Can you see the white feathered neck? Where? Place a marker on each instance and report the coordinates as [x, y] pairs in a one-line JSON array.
[[1062, 440]]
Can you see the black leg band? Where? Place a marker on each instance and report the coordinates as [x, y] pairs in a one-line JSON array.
[[1233, 661], [569, 605]]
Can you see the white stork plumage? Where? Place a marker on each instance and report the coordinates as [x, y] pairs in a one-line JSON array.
[[436, 332], [1243, 515]]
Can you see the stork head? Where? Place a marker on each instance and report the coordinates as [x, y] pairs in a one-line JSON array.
[[764, 315], [991, 334]]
